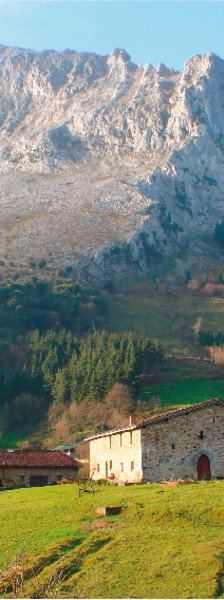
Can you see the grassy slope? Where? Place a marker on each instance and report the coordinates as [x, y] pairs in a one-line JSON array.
[[188, 376], [167, 318], [184, 392], [9, 439], [167, 543]]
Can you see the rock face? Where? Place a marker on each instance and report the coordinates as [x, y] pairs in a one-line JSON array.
[[96, 152]]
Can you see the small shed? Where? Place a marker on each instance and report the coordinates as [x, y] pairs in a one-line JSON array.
[[35, 468], [70, 449]]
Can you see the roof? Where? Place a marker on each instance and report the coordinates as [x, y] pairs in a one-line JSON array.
[[163, 417], [36, 458], [68, 446]]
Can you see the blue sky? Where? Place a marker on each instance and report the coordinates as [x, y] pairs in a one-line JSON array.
[[150, 31]]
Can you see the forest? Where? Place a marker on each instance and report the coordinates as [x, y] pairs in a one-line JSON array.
[[64, 374], [56, 359]]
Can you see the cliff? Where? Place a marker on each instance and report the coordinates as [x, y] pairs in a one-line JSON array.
[[98, 154]]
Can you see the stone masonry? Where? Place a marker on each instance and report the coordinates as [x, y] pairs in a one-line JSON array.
[[165, 447], [32, 468], [22, 477]]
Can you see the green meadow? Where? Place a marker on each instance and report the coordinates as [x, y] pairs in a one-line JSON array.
[[168, 541], [168, 318], [183, 392], [10, 438]]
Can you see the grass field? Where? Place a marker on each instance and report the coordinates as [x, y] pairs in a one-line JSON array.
[[10, 438], [183, 392], [168, 542], [167, 318]]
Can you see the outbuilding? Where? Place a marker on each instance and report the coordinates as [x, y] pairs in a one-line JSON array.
[[184, 443], [32, 468]]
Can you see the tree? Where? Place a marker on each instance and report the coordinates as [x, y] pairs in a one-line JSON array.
[[120, 399], [188, 276], [61, 386], [219, 233]]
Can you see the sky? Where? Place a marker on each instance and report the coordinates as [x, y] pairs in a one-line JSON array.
[[150, 31]]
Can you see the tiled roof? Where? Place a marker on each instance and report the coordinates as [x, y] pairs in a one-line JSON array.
[[36, 458], [163, 417], [181, 411]]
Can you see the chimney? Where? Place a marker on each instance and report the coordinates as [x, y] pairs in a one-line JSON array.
[[132, 419]]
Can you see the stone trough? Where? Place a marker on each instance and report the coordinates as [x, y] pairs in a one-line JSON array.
[[104, 511]]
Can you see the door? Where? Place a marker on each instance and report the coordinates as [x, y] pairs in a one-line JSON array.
[[38, 480], [203, 468], [106, 470]]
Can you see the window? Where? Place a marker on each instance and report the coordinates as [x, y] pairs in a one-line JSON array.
[[110, 441], [201, 435], [98, 468], [120, 440], [131, 438], [173, 446], [122, 467], [132, 465], [213, 419], [110, 465]]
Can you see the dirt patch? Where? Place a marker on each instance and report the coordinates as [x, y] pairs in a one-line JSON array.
[[177, 482], [100, 524]]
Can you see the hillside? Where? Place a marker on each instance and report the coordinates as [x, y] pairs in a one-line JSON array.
[[30, 381], [111, 191], [106, 164], [166, 543]]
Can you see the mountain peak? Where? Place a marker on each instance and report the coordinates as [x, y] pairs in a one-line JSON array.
[[95, 151]]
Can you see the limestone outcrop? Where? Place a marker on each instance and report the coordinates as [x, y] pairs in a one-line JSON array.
[[97, 153]]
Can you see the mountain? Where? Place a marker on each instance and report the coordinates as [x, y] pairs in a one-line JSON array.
[[106, 164]]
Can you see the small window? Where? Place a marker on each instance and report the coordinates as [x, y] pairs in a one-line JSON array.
[[122, 467], [132, 465], [110, 465], [98, 468], [131, 438], [120, 440], [173, 446], [213, 419], [201, 435], [110, 441]]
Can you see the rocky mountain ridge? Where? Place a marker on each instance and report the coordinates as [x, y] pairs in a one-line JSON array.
[[98, 154]]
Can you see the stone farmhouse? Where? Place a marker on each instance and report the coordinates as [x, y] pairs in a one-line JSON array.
[[31, 468], [186, 443]]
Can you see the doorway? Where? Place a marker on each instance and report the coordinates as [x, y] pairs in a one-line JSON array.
[[38, 480], [203, 468]]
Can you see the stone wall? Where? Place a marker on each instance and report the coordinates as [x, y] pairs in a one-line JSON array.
[[171, 449], [20, 476], [111, 460]]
